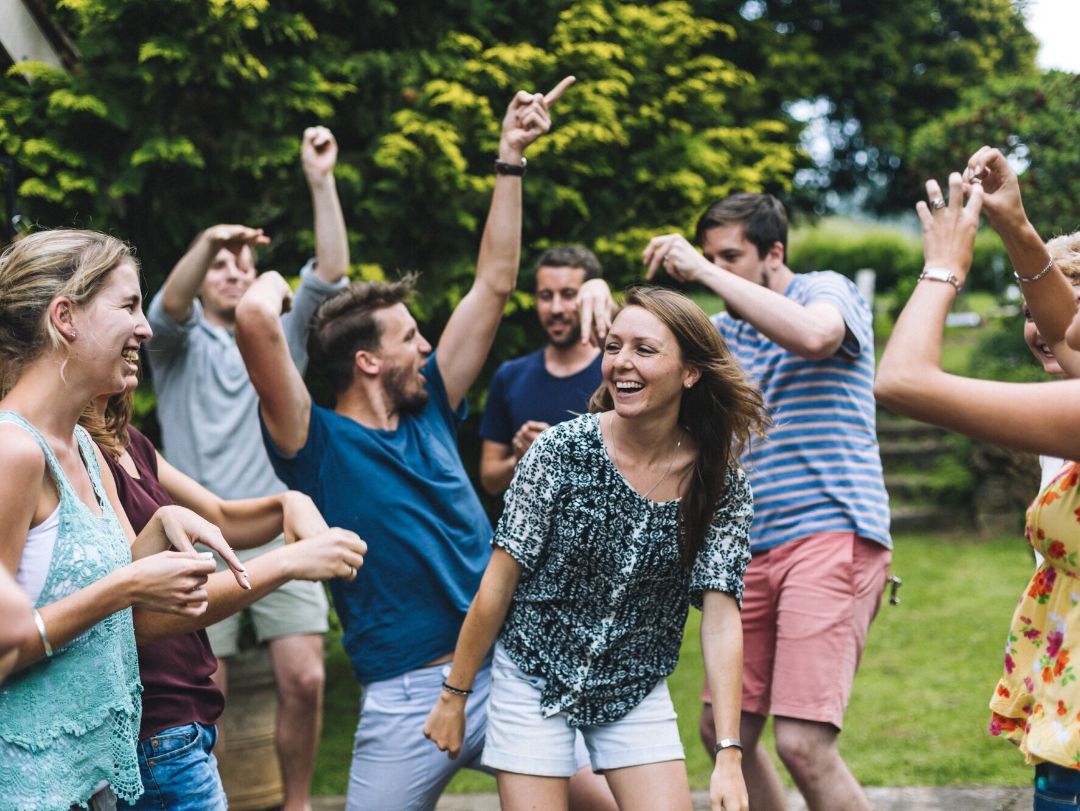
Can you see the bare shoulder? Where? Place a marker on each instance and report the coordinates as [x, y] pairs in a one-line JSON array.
[[20, 455]]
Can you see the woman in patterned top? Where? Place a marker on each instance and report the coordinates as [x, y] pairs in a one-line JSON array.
[[1037, 701], [614, 523], [71, 323]]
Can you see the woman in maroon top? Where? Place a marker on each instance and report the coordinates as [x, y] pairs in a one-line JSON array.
[[180, 701]]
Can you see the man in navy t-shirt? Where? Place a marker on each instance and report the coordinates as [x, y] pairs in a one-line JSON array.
[[531, 393], [382, 459]]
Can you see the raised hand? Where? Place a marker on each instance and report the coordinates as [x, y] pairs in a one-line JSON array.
[[949, 230], [235, 237], [527, 118], [184, 528], [989, 169], [318, 153], [172, 582], [677, 256], [595, 307], [526, 435], [272, 284]]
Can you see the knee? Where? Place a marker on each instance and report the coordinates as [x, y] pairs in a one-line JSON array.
[[707, 728], [303, 684], [804, 755]]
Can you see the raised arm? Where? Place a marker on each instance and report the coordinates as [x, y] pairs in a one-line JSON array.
[[184, 280], [445, 726], [1037, 417], [1048, 294], [283, 399], [469, 333], [814, 331], [318, 154], [722, 650]]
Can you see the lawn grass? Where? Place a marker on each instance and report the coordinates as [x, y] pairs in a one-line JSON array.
[[919, 709]]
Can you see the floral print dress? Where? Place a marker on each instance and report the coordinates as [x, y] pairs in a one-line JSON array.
[[1037, 701]]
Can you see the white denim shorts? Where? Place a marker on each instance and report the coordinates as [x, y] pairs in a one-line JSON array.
[[521, 740]]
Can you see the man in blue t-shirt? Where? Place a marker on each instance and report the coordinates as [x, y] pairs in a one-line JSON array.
[[382, 460], [531, 393], [820, 536]]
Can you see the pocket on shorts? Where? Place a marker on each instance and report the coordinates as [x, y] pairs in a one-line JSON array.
[[173, 743]]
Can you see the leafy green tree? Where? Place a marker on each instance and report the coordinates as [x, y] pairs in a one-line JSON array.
[[1034, 121]]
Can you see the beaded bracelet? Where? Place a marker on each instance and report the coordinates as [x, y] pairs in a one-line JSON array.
[[457, 691], [1037, 276]]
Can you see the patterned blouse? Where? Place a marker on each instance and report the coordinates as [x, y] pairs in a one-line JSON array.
[[1037, 701], [603, 597]]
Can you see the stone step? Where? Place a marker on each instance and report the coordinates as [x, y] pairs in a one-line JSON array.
[[916, 517], [908, 450]]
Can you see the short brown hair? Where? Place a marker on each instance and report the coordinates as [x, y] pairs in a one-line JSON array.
[[762, 216], [342, 326]]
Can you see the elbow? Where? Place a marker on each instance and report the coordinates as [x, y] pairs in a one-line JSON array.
[[895, 389], [490, 483], [255, 316], [821, 345]]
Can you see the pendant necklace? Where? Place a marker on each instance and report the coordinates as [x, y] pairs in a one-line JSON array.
[[615, 453]]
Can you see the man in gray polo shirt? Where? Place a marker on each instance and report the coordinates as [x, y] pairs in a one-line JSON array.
[[208, 411]]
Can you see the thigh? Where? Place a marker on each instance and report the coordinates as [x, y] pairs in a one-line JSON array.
[[817, 645], [296, 658], [527, 792], [179, 771], [651, 787], [649, 733], [759, 635], [519, 738], [394, 767]]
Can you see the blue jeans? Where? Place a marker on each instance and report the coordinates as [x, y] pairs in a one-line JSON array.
[[1056, 788], [179, 771]]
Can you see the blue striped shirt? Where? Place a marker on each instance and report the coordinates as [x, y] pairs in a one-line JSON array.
[[819, 470]]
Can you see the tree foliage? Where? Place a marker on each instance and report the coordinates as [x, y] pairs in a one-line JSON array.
[[1035, 121]]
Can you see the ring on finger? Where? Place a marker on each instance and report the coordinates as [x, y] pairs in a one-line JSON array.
[[352, 572], [938, 203]]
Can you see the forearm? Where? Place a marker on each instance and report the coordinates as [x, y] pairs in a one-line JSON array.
[[481, 627], [497, 468], [911, 362], [184, 280], [500, 247], [249, 522], [331, 236], [1051, 298], [722, 651], [803, 330], [73, 615], [224, 596]]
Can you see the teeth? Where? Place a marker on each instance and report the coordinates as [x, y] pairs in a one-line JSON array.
[[628, 386], [130, 355]]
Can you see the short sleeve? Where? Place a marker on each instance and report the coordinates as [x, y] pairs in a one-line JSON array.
[[526, 522], [722, 561], [832, 288], [169, 336], [301, 470], [495, 424], [311, 292]]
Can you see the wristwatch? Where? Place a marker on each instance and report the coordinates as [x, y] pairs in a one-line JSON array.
[[942, 275], [727, 743], [515, 169]]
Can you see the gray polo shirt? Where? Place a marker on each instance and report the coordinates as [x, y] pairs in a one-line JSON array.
[[207, 407]]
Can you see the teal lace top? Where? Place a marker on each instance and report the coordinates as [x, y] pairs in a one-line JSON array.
[[70, 723]]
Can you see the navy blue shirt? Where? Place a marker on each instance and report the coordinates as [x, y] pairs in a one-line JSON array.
[[406, 493], [524, 390]]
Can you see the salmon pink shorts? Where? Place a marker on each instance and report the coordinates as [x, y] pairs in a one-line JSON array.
[[807, 608]]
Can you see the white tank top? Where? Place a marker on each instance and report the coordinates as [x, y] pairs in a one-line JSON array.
[[37, 555]]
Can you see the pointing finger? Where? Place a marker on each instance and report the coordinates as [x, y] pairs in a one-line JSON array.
[[558, 90]]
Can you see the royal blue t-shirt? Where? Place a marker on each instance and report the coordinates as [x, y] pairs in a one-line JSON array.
[[406, 493], [524, 390]]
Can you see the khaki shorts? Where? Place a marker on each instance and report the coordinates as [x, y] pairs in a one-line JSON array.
[[296, 608], [807, 608]]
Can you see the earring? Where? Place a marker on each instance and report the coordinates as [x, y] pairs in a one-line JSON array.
[[73, 335]]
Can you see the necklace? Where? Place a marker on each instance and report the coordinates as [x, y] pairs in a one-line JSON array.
[[615, 454]]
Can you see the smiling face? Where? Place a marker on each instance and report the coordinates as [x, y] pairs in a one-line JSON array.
[[229, 277], [643, 366], [110, 328], [1039, 347], [402, 351], [556, 303]]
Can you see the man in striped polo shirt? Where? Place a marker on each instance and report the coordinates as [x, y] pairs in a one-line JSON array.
[[820, 536]]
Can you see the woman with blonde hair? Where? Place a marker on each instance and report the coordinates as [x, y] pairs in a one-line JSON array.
[[614, 523], [71, 324]]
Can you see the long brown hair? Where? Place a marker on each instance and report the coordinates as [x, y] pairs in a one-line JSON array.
[[110, 430], [721, 411]]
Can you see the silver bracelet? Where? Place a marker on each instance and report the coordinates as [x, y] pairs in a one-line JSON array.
[[1037, 276], [40, 623], [727, 743]]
